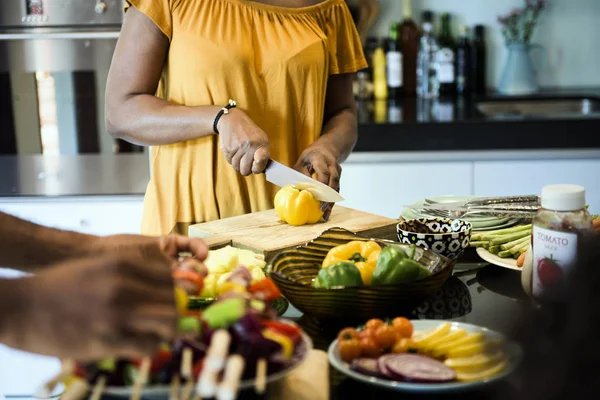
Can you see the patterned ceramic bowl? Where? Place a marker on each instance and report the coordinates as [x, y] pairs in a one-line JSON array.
[[294, 270], [448, 237]]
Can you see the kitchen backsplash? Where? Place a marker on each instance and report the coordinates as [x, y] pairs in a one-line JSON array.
[[569, 31]]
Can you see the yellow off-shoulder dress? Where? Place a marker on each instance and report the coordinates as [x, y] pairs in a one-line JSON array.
[[274, 62]]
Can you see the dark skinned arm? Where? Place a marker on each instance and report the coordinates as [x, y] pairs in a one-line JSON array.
[[26, 246], [339, 134], [133, 112]]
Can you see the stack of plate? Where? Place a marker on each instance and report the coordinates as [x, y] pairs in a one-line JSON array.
[[479, 222]]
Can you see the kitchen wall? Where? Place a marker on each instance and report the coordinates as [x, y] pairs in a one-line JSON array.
[[569, 30]]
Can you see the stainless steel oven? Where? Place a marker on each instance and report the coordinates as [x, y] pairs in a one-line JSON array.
[[54, 60]]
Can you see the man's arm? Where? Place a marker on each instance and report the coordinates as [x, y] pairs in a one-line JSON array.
[[26, 246]]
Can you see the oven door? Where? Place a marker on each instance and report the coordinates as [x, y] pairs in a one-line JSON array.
[[52, 83]]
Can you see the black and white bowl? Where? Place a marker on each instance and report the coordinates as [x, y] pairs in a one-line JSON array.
[[448, 237]]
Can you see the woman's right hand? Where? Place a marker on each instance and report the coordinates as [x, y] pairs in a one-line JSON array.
[[245, 145]]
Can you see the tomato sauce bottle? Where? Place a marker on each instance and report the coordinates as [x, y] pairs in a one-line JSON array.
[[557, 226]]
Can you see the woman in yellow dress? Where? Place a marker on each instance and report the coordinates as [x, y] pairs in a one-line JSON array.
[[288, 66]]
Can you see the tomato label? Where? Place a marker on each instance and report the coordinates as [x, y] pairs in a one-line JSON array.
[[554, 255]]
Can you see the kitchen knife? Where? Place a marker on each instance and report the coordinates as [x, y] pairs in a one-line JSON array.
[[280, 175]]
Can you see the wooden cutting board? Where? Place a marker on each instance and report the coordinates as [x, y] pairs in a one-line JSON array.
[[266, 233]]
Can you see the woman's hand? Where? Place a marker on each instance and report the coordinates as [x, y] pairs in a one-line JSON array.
[[244, 144], [321, 161]]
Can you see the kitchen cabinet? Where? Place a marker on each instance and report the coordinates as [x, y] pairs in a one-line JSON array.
[[98, 215], [504, 178], [382, 188]]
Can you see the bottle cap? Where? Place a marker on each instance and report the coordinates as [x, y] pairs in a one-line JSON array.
[[427, 16], [479, 30], [563, 197]]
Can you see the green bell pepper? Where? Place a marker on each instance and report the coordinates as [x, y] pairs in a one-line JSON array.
[[343, 273], [393, 266]]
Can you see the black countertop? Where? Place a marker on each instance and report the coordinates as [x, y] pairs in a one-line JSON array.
[[456, 123]]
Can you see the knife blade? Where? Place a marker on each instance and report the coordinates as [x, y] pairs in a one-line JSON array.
[[280, 175]]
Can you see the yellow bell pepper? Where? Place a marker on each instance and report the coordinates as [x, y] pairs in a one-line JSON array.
[[363, 254], [287, 346], [181, 300], [297, 207]]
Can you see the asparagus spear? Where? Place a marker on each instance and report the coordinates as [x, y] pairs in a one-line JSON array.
[[494, 249], [501, 232], [510, 245], [512, 252], [479, 244], [509, 238]]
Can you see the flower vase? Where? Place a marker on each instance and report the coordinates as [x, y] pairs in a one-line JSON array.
[[519, 76]]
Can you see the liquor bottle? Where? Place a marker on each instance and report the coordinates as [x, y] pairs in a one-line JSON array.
[[380, 89], [394, 63], [445, 58], [463, 62], [409, 43], [478, 58], [427, 82]]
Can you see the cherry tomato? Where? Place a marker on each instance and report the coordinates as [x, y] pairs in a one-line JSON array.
[[348, 333], [404, 345], [369, 347], [386, 336], [349, 349], [374, 323], [367, 333], [403, 326]]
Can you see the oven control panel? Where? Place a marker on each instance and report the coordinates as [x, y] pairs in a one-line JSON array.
[[60, 13]]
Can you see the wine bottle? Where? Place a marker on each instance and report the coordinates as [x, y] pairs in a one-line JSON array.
[[394, 63], [427, 82], [463, 62], [478, 59], [445, 58], [409, 44]]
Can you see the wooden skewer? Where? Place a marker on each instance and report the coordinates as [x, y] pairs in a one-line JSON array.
[[260, 384], [141, 379], [76, 390], [229, 387], [67, 368], [186, 363], [174, 395], [188, 389], [186, 372], [99, 388], [214, 362]]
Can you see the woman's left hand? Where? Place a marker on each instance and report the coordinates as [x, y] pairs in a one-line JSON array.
[[322, 162]]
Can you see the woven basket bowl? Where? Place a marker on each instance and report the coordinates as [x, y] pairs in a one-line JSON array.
[[294, 270]]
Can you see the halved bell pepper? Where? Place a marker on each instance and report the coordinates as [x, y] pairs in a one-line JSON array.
[[297, 207], [287, 346], [265, 290], [363, 254]]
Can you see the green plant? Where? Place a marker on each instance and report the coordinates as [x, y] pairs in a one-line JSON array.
[[518, 25]]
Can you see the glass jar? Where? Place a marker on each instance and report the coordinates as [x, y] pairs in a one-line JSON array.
[[557, 226]]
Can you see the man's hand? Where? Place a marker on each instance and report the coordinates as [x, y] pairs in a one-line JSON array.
[[320, 161], [115, 306], [148, 247]]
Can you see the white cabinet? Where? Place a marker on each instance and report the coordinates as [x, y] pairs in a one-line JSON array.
[[504, 178], [382, 188], [99, 215]]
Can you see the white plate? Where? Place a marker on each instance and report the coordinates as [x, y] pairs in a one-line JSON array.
[[162, 391], [509, 263], [513, 351]]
